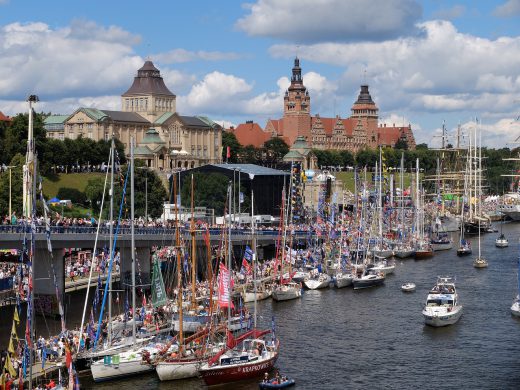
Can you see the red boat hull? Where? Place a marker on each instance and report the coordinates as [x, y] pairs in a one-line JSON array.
[[235, 373], [423, 254]]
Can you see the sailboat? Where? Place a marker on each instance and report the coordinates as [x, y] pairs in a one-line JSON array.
[[285, 290], [182, 363], [129, 362], [479, 262], [247, 356], [464, 248], [423, 249], [501, 241], [403, 249]]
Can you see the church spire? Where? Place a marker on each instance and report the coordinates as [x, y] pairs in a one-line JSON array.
[[296, 79]]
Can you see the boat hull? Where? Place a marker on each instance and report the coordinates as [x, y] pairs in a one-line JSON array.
[[286, 293], [315, 284], [105, 372], [403, 254], [341, 281], [501, 243], [167, 371], [438, 319], [515, 309], [367, 283], [463, 252], [444, 246], [260, 296], [235, 373], [423, 254]]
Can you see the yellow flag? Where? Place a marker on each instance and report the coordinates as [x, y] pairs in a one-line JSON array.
[[9, 366], [13, 332], [11, 346], [16, 318], [2, 381]]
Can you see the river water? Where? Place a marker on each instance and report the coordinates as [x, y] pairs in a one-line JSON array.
[[376, 338]]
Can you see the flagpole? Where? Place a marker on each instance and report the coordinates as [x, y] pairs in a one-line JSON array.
[[229, 260], [111, 241], [254, 260], [132, 216]]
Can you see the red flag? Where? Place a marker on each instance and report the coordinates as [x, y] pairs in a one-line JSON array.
[[224, 287], [228, 153], [246, 266]]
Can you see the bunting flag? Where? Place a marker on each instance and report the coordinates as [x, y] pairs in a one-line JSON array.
[[11, 346], [13, 332], [248, 255], [246, 267], [15, 317], [9, 366], [224, 287]]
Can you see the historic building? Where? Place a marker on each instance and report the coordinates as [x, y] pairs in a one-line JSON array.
[[164, 139], [360, 130]]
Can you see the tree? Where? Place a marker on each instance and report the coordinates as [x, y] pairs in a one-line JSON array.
[[210, 190], [250, 155], [229, 140], [401, 144], [17, 133], [275, 149], [94, 193], [367, 158], [347, 158], [73, 194]]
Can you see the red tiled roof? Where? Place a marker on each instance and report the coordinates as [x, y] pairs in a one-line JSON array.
[[388, 135], [349, 125], [4, 118], [251, 134]]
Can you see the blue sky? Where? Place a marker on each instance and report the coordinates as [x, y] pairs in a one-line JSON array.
[[425, 61]]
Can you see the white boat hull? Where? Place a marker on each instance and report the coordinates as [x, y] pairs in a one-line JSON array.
[[104, 372], [315, 284], [385, 253], [286, 293], [343, 280], [515, 308], [260, 296], [440, 316], [442, 246], [408, 287], [168, 371], [501, 243]]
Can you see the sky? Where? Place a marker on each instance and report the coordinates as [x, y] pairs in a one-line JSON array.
[[427, 62]]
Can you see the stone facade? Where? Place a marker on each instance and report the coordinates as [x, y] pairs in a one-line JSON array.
[[359, 131], [164, 139]]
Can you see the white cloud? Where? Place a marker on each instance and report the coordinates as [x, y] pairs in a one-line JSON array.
[[331, 20], [182, 55], [55, 63], [442, 70], [509, 9], [501, 133]]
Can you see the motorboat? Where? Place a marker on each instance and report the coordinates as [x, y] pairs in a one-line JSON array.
[[276, 383], [408, 287], [501, 241], [442, 304], [369, 278], [480, 262], [287, 291]]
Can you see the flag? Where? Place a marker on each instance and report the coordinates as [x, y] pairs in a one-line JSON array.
[[16, 318], [241, 197], [9, 366], [246, 266], [248, 254], [273, 329], [228, 152], [225, 284], [13, 332]]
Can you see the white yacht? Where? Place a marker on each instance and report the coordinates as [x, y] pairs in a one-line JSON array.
[[317, 281], [385, 266], [342, 279], [408, 287], [123, 364], [286, 292], [442, 304]]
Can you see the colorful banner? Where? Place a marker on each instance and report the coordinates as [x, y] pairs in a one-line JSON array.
[[225, 284]]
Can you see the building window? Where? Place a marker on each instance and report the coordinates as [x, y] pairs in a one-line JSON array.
[[61, 136]]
